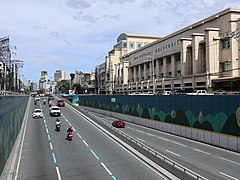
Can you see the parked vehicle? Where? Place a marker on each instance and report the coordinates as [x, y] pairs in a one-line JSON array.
[[199, 92], [118, 124], [37, 113]]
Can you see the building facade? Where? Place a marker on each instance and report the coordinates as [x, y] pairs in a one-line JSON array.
[[204, 55], [126, 43], [60, 75]]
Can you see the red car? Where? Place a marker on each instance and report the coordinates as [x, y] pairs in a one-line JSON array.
[[60, 103], [120, 124]]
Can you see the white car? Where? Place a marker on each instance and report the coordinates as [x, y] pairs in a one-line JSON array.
[[55, 111], [37, 98], [37, 113]]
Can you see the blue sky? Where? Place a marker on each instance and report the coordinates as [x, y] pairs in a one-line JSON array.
[[77, 34]]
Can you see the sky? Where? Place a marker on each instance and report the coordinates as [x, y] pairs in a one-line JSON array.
[[75, 35]]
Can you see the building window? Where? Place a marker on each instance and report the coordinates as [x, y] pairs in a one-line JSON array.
[[124, 45], [131, 45], [225, 43], [226, 66], [139, 44]]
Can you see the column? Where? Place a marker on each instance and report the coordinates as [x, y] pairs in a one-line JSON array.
[[196, 38], [173, 66]]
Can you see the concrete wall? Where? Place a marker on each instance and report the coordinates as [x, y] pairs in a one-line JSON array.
[[12, 110]]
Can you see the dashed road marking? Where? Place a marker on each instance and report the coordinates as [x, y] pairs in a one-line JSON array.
[[228, 176], [51, 146], [109, 172], [85, 143], [54, 158], [201, 151], [58, 173], [94, 154], [173, 153]]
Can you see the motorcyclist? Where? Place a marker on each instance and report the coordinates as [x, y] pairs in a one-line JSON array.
[[69, 129], [57, 122]]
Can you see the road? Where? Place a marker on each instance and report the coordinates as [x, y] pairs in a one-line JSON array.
[[46, 154], [208, 161]]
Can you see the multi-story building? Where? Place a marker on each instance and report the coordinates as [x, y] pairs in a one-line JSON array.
[[204, 55], [126, 43], [60, 75], [100, 79]]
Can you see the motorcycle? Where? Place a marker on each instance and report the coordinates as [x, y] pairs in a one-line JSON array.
[[69, 136], [58, 127]]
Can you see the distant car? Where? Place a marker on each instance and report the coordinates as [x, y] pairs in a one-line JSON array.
[[60, 103], [37, 98], [118, 123], [55, 111], [37, 113]]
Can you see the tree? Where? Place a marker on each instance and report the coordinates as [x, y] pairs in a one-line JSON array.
[[63, 86], [72, 75]]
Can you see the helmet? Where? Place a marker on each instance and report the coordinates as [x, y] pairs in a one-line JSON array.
[[69, 127]]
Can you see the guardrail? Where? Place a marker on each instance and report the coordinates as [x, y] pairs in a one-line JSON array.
[[154, 153]]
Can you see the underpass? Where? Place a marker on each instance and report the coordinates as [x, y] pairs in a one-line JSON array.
[[46, 154]]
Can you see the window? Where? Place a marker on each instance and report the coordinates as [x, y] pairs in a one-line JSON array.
[[139, 44], [124, 45], [226, 66], [131, 45], [225, 43]]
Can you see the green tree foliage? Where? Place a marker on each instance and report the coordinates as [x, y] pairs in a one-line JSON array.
[[63, 86]]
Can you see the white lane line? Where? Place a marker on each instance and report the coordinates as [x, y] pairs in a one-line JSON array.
[[173, 153], [109, 172], [70, 124], [180, 144], [66, 120], [138, 130], [94, 154], [85, 143], [44, 121], [150, 134], [51, 146], [47, 130], [141, 140], [201, 151], [228, 176], [79, 135], [229, 160], [73, 128], [58, 173], [163, 138]]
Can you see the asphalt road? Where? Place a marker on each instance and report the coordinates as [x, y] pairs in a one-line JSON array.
[[46, 154], [206, 160]]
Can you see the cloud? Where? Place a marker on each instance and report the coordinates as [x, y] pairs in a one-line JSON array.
[[118, 1], [115, 17], [62, 37], [79, 4]]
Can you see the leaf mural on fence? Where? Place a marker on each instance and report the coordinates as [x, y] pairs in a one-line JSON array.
[[200, 117], [173, 114], [238, 116]]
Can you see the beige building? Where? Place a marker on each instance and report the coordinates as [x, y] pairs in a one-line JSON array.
[[60, 75], [126, 43], [204, 55]]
